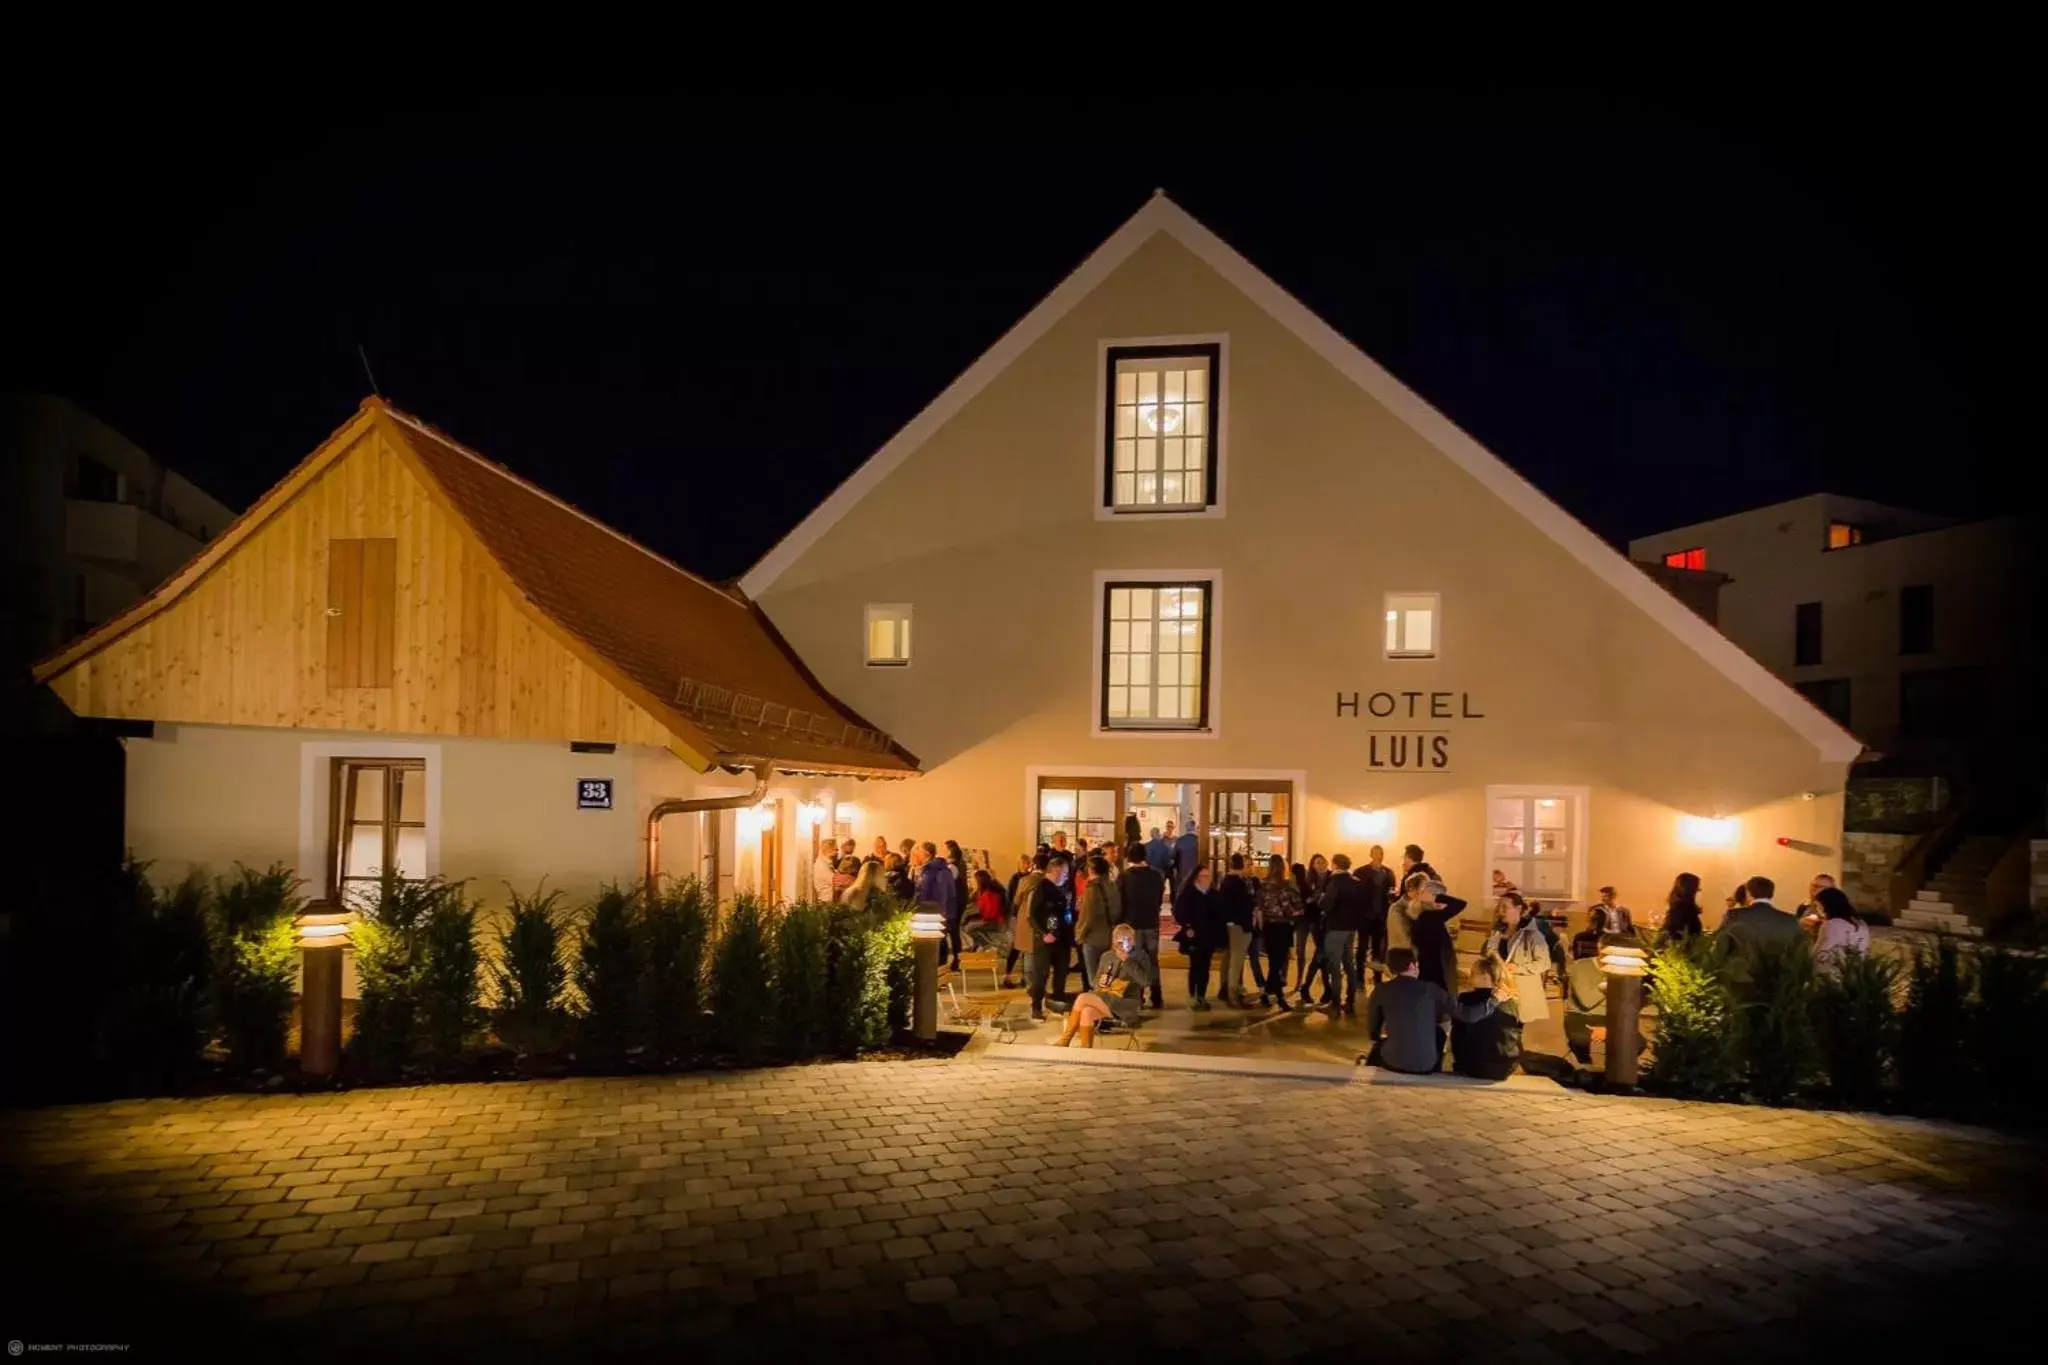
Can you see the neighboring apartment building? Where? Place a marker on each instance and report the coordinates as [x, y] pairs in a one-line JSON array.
[[95, 522], [1917, 633], [1153, 604]]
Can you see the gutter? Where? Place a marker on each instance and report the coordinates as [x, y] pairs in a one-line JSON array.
[[764, 773]]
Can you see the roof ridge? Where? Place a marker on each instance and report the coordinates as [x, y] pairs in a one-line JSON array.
[[730, 594]]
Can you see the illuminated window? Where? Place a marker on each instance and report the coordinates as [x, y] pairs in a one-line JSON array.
[[1841, 535], [380, 822], [1155, 656], [1161, 428], [1086, 812], [1531, 840], [888, 636], [1686, 559], [1411, 625]]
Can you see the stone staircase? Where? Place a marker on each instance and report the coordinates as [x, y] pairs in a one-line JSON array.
[[1953, 903]]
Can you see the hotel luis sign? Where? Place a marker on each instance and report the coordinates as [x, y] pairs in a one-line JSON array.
[[1412, 742]]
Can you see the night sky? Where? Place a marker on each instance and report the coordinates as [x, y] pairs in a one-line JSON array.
[[1656, 323]]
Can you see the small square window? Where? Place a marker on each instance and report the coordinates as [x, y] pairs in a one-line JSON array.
[[1686, 559], [1842, 535], [1411, 629], [888, 635], [1159, 432]]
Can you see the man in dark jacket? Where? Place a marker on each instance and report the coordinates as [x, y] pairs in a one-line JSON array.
[[1378, 880], [1143, 891], [935, 888], [1187, 856], [1235, 898], [1346, 903], [1759, 924], [1159, 851], [1047, 917]]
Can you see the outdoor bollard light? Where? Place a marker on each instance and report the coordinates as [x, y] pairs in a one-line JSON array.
[[322, 940], [1624, 965], [925, 931]]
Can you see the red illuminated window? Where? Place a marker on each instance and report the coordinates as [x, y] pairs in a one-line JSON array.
[[1686, 559]]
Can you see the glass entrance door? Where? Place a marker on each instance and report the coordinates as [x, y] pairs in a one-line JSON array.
[[1246, 818]]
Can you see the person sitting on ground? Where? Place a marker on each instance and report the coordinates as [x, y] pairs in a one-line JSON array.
[[1117, 993], [1758, 924], [1406, 1015], [1490, 1048], [1842, 930]]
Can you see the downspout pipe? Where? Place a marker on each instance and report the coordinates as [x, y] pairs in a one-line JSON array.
[[763, 775]]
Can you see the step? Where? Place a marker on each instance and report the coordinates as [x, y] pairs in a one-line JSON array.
[[1961, 928]]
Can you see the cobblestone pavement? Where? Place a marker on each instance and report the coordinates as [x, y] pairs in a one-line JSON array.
[[969, 1209]]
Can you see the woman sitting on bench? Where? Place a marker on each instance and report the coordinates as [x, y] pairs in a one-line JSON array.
[[1119, 994]]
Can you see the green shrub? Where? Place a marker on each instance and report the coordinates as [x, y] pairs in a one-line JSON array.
[[391, 938], [1934, 1030], [676, 928], [450, 980], [1855, 1022], [856, 983], [899, 966], [608, 957], [1774, 1020], [1695, 1053], [800, 934], [530, 975], [741, 1007], [160, 1018], [2009, 1028], [256, 964]]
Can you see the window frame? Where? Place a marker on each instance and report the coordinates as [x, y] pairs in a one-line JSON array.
[[1436, 627], [1580, 828], [340, 818], [1800, 635], [900, 612], [1216, 347], [1212, 653]]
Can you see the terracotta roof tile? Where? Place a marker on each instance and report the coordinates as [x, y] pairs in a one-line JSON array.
[[701, 649]]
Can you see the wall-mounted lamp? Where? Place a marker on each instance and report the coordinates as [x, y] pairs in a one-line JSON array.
[[1367, 824], [809, 814], [848, 812], [1698, 831]]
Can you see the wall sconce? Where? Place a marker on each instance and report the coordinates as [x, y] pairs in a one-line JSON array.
[[808, 815], [1367, 824], [1696, 831], [848, 812]]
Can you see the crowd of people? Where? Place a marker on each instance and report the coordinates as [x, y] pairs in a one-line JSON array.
[[1307, 935]]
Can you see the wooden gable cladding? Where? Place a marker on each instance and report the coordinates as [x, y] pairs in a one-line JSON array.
[[249, 643]]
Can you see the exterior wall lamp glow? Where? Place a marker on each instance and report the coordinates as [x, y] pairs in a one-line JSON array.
[[1367, 824], [1696, 831]]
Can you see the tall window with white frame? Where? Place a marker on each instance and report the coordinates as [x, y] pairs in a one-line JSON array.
[[1531, 842], [1155, 656], [1411, 629], [1160, 429], [887, 635]]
